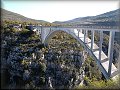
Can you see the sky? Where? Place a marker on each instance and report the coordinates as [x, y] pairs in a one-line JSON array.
[[59, 10]]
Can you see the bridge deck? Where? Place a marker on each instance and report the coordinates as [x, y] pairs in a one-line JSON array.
[[104, 58]]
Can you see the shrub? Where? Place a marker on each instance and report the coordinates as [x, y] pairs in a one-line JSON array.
[[25, 33], [101, 84]]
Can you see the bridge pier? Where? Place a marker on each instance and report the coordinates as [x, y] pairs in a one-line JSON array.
[[110, 51], [43, 35], [81, 30], [100, 44], [78, 33], [92, 39], [85, 35]]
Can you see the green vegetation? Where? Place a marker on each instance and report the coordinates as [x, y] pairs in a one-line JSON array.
[[101, 84], [23, 53], [106, 20]]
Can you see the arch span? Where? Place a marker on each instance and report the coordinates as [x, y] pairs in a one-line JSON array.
[[72, 33], [51, 35], [103, 61]]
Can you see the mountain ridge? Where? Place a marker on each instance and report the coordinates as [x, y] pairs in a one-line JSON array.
[[110, 18], [107, 18], [12, 16]]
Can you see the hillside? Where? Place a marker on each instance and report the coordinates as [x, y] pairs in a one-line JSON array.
[[106, 19], [8, 15]]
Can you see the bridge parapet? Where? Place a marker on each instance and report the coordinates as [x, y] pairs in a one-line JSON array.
[[84, 28]]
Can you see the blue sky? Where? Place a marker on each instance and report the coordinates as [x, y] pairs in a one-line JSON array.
[[59, 10]]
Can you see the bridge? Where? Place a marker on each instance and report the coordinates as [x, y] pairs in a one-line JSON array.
[[103, 61]]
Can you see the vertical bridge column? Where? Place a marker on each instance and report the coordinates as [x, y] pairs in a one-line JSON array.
[[110, 51], [92, 39], [81, 30], [100, 44], [85, 35], [40, 29], [42, 34], [78, 32]]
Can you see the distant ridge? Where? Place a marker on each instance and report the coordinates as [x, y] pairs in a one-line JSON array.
[[106, 19], [8, 15]]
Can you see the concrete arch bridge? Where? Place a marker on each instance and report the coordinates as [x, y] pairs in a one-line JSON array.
[[103, 61]]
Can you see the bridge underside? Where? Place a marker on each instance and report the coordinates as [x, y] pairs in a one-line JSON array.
[[96, 52]]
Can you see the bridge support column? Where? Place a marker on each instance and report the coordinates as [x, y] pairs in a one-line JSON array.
[[40, 29], [78, 32], [110, 51], [100, 44], [81, 30], [85, 35], [92, 39], [42, 35]]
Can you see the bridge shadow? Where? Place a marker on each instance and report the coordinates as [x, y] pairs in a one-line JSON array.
[[115, 73], [104, 60], [87, 42], [97, 49], [80, 37]]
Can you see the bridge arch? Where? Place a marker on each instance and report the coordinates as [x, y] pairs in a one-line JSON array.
[[80, 34], [52, 33]]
